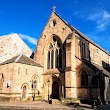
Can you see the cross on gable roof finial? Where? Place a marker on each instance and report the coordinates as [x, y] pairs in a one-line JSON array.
[[53, 8]]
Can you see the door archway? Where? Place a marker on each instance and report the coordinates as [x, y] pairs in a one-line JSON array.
[[55, 90], [24, 90]]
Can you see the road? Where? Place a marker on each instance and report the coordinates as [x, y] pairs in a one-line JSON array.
[[15, 108], [45, 106]]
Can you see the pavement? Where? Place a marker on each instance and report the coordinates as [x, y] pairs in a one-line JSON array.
[[39, 105], [42, 105]]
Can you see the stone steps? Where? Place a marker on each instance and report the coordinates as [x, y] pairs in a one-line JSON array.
[[56, 101]]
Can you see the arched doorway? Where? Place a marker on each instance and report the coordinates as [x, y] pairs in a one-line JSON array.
[[55, 90], [24, 90]]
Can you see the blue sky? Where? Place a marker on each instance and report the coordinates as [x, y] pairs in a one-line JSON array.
[[28, 18]]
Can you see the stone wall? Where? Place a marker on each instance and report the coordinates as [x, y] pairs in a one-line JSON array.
[[20, 75], [60, 29], [73, 59], [12, 45]]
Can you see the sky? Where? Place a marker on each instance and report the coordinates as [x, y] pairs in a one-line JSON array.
[[28, 18]]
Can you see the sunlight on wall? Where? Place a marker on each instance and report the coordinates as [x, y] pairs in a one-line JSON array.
[[73, 85]]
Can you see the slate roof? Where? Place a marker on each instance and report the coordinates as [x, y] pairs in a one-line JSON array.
[[101, 68], [22, 59], [96, 67]]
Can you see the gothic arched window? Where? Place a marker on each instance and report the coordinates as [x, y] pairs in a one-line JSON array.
[[83, 50], [84, 78], [54, 59], [54, 22], [34, 83], [48, 66]]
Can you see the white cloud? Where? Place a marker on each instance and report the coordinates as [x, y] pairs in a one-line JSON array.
[[28, 38], [101, 18]]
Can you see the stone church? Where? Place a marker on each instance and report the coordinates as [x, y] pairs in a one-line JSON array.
[[66, 64]]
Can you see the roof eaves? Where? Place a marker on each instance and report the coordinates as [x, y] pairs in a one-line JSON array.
[[33, 61]]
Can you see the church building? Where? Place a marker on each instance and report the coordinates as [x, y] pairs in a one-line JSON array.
[[66, 64], [73, 65]]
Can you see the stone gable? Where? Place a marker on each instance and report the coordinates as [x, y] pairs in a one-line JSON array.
[[60, 29]]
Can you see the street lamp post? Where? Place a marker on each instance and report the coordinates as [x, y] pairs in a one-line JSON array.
[[33, 88], [48, 88]]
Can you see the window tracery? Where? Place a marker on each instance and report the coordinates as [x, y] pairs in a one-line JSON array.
[[54, 59]]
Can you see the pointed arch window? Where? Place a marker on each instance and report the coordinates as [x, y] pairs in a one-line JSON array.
[[34, 82], [48, 64], [54, 59], [84, 78], [83, 50], [60, 57], [54, 22]]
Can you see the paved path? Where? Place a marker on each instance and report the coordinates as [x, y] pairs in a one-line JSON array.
[[41, 106], [104, 107]]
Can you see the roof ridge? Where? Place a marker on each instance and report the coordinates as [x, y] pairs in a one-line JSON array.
[[19, 56], [82, 35], [31, 59]]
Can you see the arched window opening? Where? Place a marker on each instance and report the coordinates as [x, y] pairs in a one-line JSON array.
[[34, 87], [54, 59], [34, 82], [54, 23], [60, 57], [84, 78], [84, 54], [83, 50], [48, 62]]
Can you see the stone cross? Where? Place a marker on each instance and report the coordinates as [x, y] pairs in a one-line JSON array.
[[53, 8]]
